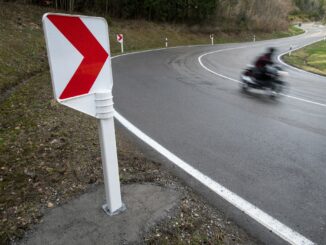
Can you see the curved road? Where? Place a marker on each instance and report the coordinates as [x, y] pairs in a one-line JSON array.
[[271, 153]]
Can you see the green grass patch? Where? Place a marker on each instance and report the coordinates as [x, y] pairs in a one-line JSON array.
[[141, 35], [292, 31], [22, 52], [311, 58]]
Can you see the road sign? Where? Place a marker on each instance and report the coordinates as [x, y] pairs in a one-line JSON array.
[[120, 38], [78, 52]]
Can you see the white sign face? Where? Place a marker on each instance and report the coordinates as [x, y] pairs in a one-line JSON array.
[[120, 38], [79, 58]]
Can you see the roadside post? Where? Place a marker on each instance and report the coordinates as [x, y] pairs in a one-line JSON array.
[[254, 38], [291, 48], [212, 38], [80, 65], [120, 40], [166, 42]]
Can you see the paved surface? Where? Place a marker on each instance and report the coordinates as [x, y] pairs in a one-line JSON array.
[[84, 222], [271, 153]]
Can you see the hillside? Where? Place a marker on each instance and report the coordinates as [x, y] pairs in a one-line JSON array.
[[310, 10]]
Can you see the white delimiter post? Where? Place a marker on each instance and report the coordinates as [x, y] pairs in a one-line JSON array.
[[105, 112], [166, 42], [290, 53], [121, 46]]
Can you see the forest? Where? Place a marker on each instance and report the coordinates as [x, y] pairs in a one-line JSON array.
[[261, 15]]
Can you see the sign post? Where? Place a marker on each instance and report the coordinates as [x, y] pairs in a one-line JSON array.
[[120, 40], [78, 51], [105, 111]]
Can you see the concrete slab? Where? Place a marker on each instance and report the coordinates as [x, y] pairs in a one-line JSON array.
[[83, 221]]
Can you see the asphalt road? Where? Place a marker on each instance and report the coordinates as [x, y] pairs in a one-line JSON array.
[[271, 153]]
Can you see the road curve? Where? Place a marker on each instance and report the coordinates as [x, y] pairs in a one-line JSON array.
[[271, 153]]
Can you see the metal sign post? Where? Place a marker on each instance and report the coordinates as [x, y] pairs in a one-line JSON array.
[[79, 57]]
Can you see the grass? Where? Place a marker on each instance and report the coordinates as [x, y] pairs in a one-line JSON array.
[[311, 58], [50, 153], [294, 30], [22, 51], [140, 35]]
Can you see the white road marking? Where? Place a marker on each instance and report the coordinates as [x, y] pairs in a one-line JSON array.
[[237, 81], [270, 223]]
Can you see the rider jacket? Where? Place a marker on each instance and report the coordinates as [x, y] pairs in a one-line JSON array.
[[263, 61], [261, 67]]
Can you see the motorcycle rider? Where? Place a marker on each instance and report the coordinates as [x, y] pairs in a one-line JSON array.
[[261, 66]]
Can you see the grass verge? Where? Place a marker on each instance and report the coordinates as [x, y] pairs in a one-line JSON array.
[[311, 58], [141, 35]]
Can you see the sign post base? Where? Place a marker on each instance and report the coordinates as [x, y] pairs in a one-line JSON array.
[[118, 211]]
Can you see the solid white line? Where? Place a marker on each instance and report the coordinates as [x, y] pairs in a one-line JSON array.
[[237, 81], [251, 210]]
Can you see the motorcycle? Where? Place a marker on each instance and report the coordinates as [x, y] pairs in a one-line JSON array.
[[274, 86]]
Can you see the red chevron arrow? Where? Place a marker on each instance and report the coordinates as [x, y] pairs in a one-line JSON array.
[[119, 37], [84, 41]]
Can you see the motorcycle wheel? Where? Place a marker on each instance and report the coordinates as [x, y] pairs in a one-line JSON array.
[[244, 86], [275, 91]]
